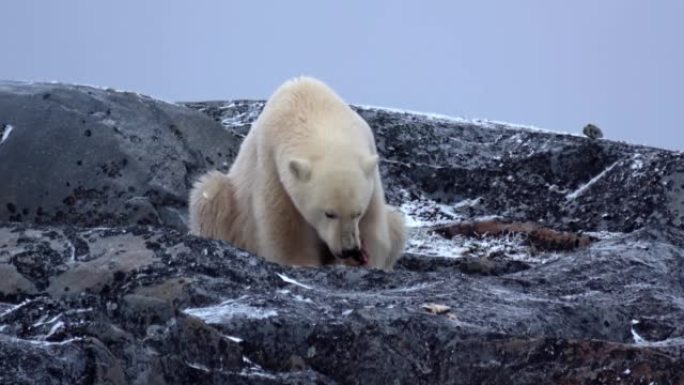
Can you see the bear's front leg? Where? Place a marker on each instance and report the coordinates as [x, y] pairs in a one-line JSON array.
[[376, 245], [290, 245], [397, 233], [384, 238]]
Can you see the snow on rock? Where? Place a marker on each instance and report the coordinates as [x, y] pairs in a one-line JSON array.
[[581, 189], [170, 317], [484, 123], [292, 281], [424, 212], [434, 246], [241, 116], [228, 310], [5, 132], [234, 339]]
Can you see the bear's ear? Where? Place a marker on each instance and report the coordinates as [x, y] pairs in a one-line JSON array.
[[301, 169], [369, 163]]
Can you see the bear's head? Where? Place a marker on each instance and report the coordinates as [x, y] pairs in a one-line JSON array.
[[333, 196]]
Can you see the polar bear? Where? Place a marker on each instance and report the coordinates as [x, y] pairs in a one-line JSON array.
[[305, 187]]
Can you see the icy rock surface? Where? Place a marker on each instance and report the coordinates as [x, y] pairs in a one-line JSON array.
[[99, 282]]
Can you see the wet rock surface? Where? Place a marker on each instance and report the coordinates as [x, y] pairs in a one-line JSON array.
[[92, 293]]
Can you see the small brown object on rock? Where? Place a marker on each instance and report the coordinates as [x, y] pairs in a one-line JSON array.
[[537, 236]]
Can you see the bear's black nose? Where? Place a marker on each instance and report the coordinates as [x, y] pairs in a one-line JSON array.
[[351, 253]]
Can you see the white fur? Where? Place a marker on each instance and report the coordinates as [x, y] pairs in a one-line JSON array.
[[305, 184]]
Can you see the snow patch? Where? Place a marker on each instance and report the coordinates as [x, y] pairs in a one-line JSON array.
[[240, 119], [433, 245], [228, 310], [300, 298], [511, 246], [109, 122], [581, 189], [255, 370], [257, 373], [41, 321], [425, 212], [15, 308], [234, 339], [50, 343], [72, 251], [54, 329], [485, 123], [638, 340], [79, 311], [409, 289], [292, 281], [603, 235], [412, 164], [198, 366], [422, 214], [6, 131]]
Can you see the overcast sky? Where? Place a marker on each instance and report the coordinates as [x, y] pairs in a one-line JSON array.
[[553, 64]]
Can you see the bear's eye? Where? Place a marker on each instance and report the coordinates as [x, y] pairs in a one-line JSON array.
[[330, 215]]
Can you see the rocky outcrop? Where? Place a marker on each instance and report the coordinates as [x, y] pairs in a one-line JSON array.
[[98, 157], [107, 287], [565, 181]]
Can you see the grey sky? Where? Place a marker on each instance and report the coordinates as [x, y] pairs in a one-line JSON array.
[[553, 64]]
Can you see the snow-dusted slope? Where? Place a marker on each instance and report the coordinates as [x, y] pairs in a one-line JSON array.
[[97, 286]]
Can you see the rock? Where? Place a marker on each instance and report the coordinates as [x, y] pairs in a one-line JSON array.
[[99, 294], [592, 132], [101, 157], [596, 313]]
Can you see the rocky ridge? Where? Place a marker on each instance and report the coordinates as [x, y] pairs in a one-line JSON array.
[[99, 282]]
